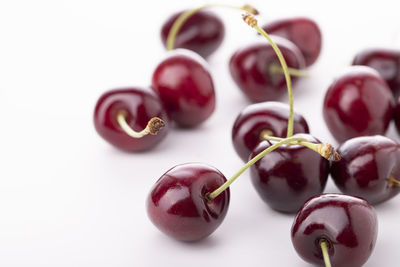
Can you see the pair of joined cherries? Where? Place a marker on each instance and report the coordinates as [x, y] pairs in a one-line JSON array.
[[360, 101], [182, 92], [255, 68]]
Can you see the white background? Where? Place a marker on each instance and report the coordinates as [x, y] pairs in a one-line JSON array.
[[67, 198]]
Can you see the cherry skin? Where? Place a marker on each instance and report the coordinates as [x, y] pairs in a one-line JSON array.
[[178, 204], [139, 105], [348, 224], [358, 103], [396, 116], [251, 65], [202, 33], [288, 176], [303, 32], [254, 120], [368, 167], [185, 87], [386, 62]]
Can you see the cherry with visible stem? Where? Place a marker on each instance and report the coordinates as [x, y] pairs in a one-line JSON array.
[[257, 120], [384, 60], [358, 103], [255, 69], [303, 32], [285, 178], [335, 229], [197, 30], [178, 203], [185, 87], [370, 168], [131, 119]]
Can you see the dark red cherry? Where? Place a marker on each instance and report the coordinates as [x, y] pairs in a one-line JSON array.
[[347, 224], [396, 115], [369, 168], [358, 103], [139, 106], [286, 177], [251, 69], [202, 33], [178, 205], [386, 62], [303, 32], [256, 119], [185, 87]]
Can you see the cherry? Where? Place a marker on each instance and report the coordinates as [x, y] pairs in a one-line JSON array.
[[178, 203], [185, 87], [370, 168], [386, 62], [262, 118], [342, 228], [357, 103], [202, 33], [303, 32], [396, 116], [256, 69], [121, 112], [288, 176]]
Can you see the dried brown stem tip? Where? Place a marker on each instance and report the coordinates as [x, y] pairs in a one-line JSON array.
[[328, 152], [154, 125], [250, 20], [251, 9]]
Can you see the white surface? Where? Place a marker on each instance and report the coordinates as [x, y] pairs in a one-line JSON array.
[[69, 199]]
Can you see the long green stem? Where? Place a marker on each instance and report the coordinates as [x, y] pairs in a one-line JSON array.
[[325, 254], [187, 14], [219, 190], [153, 126], [325, 150], [250, 20], [293, 72]]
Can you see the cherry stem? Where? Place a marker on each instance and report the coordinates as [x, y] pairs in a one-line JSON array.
[[187, 14], [252, 22], [325, 150], [292, 71], [153, 126], [393, 181], [325, 254], [222, 188]]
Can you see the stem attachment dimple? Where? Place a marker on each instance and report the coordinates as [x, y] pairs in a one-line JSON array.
[[153, 126], [324, 247], [222, 188], [252, 21], [187, 14]]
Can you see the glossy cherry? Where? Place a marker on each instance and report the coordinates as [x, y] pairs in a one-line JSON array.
[[347, 224], [396, 115], [386, 61], [139, 105], [303, 32], [178, 204], [288, 176], [358, 103], [202, 33], [256, 119], [252, 66], [369, 168], [185, 87]]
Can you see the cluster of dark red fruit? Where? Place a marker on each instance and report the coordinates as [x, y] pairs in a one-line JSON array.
[[191, 200]]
